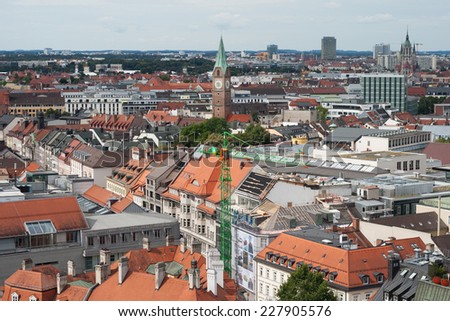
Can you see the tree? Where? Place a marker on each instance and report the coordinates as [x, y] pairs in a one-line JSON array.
[[255, 135], [322, 113], [200, 132], [304, 285], [426, 104]]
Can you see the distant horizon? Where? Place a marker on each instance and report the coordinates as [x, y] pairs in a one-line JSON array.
[[251, 24], [206, 50]]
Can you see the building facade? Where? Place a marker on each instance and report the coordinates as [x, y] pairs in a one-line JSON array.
[[328, 48], [384, 88]]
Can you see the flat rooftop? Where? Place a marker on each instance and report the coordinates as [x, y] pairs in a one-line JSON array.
[[373, 156], [114, 221]]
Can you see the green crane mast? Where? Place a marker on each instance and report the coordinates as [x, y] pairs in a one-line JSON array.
[[225, 205]]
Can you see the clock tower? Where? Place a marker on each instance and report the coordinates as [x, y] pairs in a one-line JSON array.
[[221, 91]]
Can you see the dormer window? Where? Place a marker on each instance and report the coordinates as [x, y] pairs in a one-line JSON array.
[[365, 279], [268, 256], [299, 264], [15, 297], [283, 260], [379, 276], [332, 276], [32, 298], [291, 263]]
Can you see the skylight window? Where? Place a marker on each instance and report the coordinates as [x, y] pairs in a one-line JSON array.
[[40, 227]]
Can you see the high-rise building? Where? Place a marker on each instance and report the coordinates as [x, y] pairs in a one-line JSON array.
[[272, 50], [221, 101], [385, 88], [381, 49], [328, 49]]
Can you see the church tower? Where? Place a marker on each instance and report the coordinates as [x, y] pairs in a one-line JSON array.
[[221, 92], [407, 57]]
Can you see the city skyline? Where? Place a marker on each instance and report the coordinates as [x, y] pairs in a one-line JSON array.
[[198, 24]]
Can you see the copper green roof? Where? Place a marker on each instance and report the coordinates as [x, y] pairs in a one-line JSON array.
[[82, 283], [221, 59], [172, 268]]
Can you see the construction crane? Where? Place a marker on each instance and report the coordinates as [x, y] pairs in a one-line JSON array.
[[225, 247]]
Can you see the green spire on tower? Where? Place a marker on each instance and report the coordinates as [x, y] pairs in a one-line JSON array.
[[221, 59]]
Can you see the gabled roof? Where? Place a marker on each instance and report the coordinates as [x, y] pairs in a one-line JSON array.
[[242, 118], [31, 280], [101, 196], [349, 265], [139, 284], [64, 213], [201, 177]]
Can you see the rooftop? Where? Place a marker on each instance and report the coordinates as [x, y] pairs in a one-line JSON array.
[[374, 156]]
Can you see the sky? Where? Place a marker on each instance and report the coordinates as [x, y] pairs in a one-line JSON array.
[[244, 24]]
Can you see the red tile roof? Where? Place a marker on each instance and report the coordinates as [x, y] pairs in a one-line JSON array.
[[140, 286], [64, 213], [201, 177], [100, 196], [242, 118], [440, 151], [349, 264]]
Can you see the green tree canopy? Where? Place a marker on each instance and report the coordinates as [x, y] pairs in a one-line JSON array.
[[322, 114], [199, 133], [426, 104], [304, 285], [254, 134]]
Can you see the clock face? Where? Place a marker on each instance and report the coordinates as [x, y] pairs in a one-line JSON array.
[[218, 84], [227, 84]]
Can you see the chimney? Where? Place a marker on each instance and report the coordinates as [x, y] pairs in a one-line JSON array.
[[194, 275], [101, 273], [146, 244], [182, 245], [212, 281], [393, 265], [355, 223], [105, 258], [123, 269], [196, 248], [71, 268], [219, 267], [160, 273], [430, 247], [169, 240], [27, 264], [427, 255], [378, 242], [61, 282], [212, 256], [417, 253], [289, 204]]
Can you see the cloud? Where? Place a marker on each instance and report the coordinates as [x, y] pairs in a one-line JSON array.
[[375, 18], [75, 3], [227, 20], [332, 5]]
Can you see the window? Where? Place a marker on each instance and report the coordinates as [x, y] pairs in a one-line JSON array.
[[267, 289], [380, 278], [102, 239], [367, 296], [405, 165], [282, 278], [267, 273], [386, 296], [411, 165], [274, 275], [417, 164], [90, 241], [113, 238], [261, 288], [134, 236], [157, 234], [355, 297], [399, 166], [15, 297], [72, 237], [124, 238], [260, 271]]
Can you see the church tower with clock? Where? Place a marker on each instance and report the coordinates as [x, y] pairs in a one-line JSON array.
[[221, 91]]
